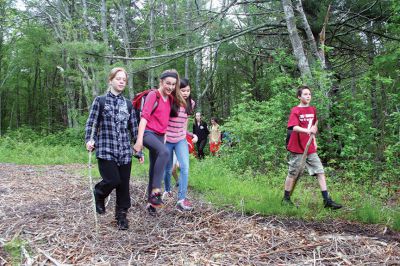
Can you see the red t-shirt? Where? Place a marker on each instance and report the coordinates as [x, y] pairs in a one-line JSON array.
[[158, 121], [302, 117]]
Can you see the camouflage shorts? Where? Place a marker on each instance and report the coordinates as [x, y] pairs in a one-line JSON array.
[[313, 164]]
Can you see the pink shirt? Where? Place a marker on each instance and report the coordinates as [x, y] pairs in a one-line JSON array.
[[158, 121], [177, 126]]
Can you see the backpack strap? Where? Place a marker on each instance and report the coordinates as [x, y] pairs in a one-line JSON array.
[[129, 105], [158, 96], [102, 103]]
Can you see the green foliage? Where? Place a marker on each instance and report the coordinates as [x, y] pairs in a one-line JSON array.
[[14, 249], [27, 146], [260, 126], [260, 130], [250, 194]]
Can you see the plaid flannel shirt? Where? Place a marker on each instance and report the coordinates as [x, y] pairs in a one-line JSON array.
[[116, 129]]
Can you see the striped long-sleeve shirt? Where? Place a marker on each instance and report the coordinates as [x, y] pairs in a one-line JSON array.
[[177, 126]]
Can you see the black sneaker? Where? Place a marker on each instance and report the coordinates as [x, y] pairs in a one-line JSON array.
[[122, 222], [287, 202], [100, 206], [151, 210], [331, 204], [156, 200]]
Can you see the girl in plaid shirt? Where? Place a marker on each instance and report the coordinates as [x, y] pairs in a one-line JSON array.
[[114, 129]]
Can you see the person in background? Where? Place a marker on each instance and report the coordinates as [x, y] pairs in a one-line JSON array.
[[215, 137], [201, 131]]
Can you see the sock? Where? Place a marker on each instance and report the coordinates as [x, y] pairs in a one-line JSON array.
[[325, 194], [287, 194]]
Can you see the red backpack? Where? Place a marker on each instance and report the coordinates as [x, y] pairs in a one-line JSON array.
[[140, 98]]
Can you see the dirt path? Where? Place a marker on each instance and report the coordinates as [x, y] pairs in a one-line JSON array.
[[49, 208]]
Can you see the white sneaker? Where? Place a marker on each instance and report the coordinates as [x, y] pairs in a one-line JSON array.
[[184, 205], [167, 195]]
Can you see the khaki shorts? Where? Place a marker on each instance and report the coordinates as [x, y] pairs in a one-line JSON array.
[[313, 164]]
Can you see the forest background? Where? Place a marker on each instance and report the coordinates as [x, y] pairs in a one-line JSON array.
[[245, 59]]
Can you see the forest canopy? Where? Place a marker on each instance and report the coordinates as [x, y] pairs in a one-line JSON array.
[[244, 59]]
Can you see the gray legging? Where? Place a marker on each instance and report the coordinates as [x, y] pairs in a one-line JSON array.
[[158, 159]]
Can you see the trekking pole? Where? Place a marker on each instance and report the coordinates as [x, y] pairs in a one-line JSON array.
[[91, 180], [302, 162]]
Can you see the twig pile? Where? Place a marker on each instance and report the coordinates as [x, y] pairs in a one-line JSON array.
[[49, 208]]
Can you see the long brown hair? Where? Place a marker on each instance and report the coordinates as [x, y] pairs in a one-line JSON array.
[[189, 106], [176, 93]]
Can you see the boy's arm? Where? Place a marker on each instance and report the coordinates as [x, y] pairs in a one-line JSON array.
[[312, 130], [315, 127], [303, 130]]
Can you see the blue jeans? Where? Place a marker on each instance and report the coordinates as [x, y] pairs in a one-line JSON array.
[[182, 154]]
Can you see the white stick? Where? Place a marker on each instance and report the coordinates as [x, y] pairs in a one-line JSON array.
[[91, 180]]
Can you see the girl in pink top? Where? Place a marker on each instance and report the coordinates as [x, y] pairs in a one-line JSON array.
[[176, 142], [151, 132]]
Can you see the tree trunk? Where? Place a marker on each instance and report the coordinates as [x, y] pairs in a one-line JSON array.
[[2, 19], [103, 11], [85, 79], [209, 90], [95, 83], [353, 76], [69, 93], [151, 43], [188, 27], [1, 112], [310, 37], [295, 40], [33, 112], [127, 47], [165, 24], [198, 64]]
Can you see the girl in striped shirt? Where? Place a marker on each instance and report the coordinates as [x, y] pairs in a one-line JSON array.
[[176, 142]]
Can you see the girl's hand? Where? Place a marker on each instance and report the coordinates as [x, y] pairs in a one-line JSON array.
[[195, 138], [141, 160], [90, 145], [137, 147]]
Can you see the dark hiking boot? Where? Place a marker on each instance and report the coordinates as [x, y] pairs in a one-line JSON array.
[[122, 222], [119, 210], [151, 210], [287, 202], [331, 204], [156, 200], [100, 206]]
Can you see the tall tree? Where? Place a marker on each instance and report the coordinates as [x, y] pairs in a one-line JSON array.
[[295, 40]]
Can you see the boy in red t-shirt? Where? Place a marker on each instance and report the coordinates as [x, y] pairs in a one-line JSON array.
[[303, 122]]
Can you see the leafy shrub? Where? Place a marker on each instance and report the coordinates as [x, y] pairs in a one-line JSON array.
[[260, 128]]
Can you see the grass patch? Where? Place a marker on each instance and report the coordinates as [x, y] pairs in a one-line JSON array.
[[224, 188], [263, 194], [14, 248], [12, 151]]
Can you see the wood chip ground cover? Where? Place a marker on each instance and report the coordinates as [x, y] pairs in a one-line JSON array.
[[49, 208]]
